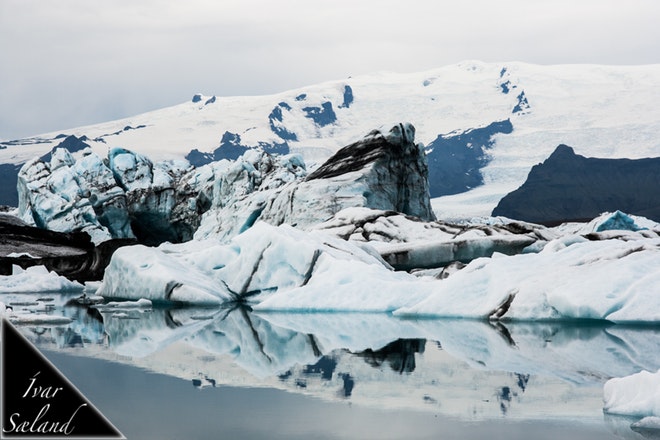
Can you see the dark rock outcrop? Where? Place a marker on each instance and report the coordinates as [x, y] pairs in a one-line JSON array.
[[199, 158], [231, 148], [570, 187], [276, 119], [348, 97], [72, 255], [522, 106], [71, 143], [321, 116], [8, 179], [456, 159]]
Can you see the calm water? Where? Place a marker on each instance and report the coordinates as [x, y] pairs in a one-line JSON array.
[[192, 373]]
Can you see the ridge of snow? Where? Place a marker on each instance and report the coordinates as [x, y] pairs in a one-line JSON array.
[[602, 111]]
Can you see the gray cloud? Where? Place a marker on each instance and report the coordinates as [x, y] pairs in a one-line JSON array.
[[73, 62]]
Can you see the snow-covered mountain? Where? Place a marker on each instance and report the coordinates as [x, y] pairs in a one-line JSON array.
[[487, 124]]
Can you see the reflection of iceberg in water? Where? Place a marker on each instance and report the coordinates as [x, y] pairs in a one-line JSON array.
[[470, 369], [576, 352], [254, 344]]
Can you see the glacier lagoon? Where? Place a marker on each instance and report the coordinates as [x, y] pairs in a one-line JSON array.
[[194, 372], [383, 364]]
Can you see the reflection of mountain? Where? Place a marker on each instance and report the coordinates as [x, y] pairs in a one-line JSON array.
[[464, 368]]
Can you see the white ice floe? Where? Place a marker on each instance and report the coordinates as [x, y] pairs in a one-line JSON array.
[[406, 242], [284, 268], [36, 279], [142, 272], [650, 422], [635, 395], [275, 267], [571, 278], [30, 316], [141, 303], [38, 318]]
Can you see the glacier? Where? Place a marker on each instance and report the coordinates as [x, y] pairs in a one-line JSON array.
[[583, 106]]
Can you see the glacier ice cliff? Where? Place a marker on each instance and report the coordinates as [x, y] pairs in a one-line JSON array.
[[123, 196]]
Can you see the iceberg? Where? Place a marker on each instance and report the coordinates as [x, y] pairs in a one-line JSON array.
[[244, 189], [635, 395], [571, 278], [36, 279], [125, 196], [286, 268], [52, 195], [647, 423], [137, 272], [407, 242], [386, 170], [272, 267]]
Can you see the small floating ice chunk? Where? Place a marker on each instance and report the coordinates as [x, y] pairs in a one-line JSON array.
[[141, 303], [21, 255], [634, 395], [89, 300], [38, 318], [36, 279], [650, 422]]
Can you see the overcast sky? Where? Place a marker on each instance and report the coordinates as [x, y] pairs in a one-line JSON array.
[[66, 63]]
